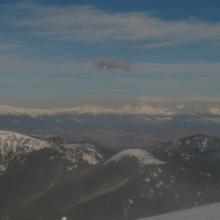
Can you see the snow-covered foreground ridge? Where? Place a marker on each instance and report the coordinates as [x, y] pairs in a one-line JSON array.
[[11, 141], [14, 144], [208, 212]]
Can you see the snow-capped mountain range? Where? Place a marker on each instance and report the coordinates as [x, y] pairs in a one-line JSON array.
[[47, 179], [138, 109]]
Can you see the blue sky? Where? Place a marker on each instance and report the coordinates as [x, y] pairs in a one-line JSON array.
[[64, 53]]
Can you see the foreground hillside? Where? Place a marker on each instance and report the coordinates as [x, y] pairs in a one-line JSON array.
[[202, 213], [50, 178]]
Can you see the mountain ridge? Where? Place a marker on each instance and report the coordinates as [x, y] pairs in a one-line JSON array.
[[123, 185]]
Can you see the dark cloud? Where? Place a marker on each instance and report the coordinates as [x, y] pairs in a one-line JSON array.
[[111, 65]]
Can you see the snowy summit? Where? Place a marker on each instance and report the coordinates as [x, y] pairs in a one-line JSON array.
[[141, 156]]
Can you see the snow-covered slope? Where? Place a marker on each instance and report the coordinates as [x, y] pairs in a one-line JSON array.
[[141, 156], [13, 144], [211, 212], [81, 153], [11, 141]]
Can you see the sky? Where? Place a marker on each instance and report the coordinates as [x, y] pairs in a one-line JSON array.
[[63, 53]]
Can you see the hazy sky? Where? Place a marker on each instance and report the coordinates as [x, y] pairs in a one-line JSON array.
[[65, 53]]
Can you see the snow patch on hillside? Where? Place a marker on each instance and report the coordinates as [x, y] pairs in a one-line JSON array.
[[81, 152]]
